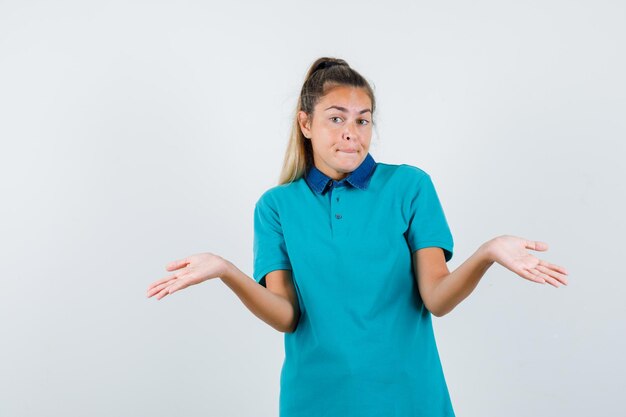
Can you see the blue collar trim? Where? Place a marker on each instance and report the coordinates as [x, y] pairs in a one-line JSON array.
[[359, 178]]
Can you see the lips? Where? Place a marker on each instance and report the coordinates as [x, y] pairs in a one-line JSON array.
[[348, 150]]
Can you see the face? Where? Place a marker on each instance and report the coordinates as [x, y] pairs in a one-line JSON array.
[[340, 130]]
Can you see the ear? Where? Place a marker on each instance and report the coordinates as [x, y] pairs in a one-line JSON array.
[[305, 124]]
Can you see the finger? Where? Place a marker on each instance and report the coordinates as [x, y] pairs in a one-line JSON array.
[[180, 285], [552, 273], [162, 293], [161, 281], [536, 272], [176, 278], [552, 282], [554, 270], [553, 266], [158, 288], [177, 264], [536, 245], [526, 273], [546, 277], [561, 269]]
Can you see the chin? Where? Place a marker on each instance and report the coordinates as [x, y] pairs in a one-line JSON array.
[[351, 166], [349, 162]]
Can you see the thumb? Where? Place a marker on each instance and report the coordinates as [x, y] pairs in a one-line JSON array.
[[176, 264], [536, 245]]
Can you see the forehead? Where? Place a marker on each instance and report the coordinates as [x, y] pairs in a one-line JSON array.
[[353, 98]]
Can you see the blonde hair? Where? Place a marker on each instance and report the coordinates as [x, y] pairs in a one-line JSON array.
[[325, 72]]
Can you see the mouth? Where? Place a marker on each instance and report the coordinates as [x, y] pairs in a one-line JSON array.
[[348, 150]]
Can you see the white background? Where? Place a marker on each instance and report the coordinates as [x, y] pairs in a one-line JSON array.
[[136, 133]]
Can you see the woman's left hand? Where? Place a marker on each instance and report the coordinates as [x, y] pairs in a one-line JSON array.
[[510, 252]]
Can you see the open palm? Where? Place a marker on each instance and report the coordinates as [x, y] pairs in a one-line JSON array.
[[511, 252], [191, 270]]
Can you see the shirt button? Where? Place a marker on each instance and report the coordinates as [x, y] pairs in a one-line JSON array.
[[338, 216]]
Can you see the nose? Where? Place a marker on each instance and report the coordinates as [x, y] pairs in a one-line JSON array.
[[349, 133]]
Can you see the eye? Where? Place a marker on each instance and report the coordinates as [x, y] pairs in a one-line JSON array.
[[366, 121], [336, 117]]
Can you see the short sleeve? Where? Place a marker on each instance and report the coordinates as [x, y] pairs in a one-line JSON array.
[[270, 251], [428, 225]]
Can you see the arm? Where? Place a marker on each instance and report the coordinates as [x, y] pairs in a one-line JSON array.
[[277, 305], [442, 290]]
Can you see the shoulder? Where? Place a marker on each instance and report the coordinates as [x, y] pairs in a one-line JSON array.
[[273, 197], [401, 174]]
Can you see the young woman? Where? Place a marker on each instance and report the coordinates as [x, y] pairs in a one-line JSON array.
[[350, 263]]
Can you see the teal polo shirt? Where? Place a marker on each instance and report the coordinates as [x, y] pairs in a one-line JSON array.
[[364, 344]]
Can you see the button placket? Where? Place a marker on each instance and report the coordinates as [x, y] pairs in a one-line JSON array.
[[336, 211]]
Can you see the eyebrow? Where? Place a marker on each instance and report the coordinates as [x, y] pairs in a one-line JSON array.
[[343, 109]]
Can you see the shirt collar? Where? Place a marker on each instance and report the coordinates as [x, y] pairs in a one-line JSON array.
[[359, 178]]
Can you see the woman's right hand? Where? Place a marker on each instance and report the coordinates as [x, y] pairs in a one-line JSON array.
[[191, 270]]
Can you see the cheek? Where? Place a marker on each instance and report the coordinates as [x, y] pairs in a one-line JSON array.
[[325, 138], [323, 146]]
